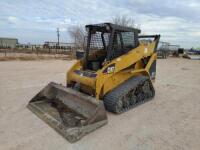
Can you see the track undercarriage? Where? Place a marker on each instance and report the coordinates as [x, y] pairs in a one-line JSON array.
[[131, 93]]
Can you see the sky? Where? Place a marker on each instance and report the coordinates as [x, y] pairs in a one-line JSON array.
[[35, 21]]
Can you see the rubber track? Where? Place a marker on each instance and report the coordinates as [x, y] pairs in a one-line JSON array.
[[111, 99]]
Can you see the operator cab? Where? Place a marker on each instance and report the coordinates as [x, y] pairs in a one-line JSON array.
[[107, 41]]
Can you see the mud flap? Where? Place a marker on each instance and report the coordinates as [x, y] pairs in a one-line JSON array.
[[69, 112]]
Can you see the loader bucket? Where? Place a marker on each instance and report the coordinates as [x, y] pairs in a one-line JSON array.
[[69, 112]]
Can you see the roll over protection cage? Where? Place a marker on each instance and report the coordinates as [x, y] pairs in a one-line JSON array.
[[109, 28]]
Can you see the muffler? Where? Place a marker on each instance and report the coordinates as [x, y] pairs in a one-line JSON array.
[[71, 113]]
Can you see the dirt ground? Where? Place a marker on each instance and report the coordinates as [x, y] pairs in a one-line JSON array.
[[169, 122]]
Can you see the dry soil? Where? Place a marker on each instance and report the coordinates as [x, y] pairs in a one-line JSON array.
[[170, 121]]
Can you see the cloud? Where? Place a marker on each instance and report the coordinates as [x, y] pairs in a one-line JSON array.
[[36, 21], [195, 34], [63, 29], [12, 19], [187, 9]]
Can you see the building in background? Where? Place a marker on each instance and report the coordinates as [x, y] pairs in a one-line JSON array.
[[60, 45], [8, 42]]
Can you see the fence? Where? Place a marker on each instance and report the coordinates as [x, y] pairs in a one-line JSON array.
[[47, 48]]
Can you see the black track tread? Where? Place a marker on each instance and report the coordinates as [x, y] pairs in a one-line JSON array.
[[111, 99]]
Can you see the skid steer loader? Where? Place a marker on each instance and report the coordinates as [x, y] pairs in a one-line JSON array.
[[115, 73]]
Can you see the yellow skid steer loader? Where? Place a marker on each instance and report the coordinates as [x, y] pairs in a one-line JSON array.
[[115, 74]]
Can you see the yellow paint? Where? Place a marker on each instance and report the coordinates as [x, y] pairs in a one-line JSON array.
[[126, 66]]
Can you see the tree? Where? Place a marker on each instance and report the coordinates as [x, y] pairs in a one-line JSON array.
[[78, 34], [124, 20]]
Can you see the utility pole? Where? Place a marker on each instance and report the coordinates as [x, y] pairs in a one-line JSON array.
[[58, 36]]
